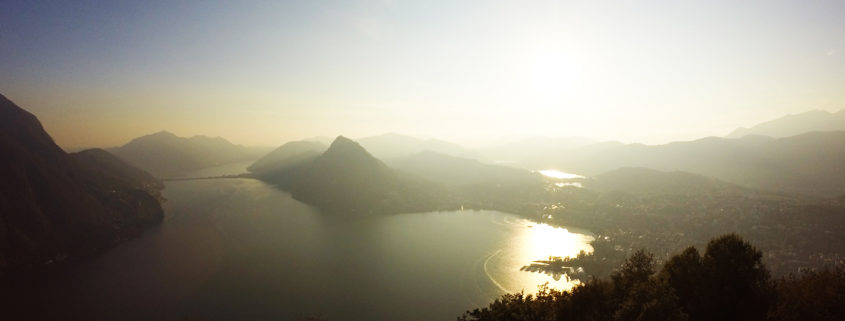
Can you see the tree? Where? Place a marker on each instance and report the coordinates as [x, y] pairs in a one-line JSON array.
[[640, 296], [652, 300], [683, 273], [636, 269], [735, 283], [811, 296]]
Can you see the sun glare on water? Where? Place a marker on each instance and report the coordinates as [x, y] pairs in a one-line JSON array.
[[553, 173], [536, 241]]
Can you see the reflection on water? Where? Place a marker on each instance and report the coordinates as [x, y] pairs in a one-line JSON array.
[[239, 249], [572, 184], [222, 170], [553, 173], [537, 241]]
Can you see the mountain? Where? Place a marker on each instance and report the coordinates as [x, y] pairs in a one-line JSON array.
[[347, 180], [636, 180], [456, 171], [396, 145], [110, 173], [812, 163], [287, 155], [54, 205], [166, 155], [791, 125]]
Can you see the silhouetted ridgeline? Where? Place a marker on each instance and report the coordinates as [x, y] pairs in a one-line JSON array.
[[727, 282], [55, 206], [347, 179], [287, 155]]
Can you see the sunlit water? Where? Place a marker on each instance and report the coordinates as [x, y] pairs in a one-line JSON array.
[[238, 249], [571, 184], [553, 173], [223, 170]]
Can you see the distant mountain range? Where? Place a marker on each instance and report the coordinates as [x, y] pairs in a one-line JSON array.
[[529, 150], [347, 178], [166, 155], [396, 145], [457, 171], [791, 125], [55, 206], [812, 163], [644, 181]]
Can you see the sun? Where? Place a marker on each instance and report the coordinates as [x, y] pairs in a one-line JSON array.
[[549, 77]]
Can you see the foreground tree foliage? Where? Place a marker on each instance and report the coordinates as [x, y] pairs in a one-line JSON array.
[[727, 282]]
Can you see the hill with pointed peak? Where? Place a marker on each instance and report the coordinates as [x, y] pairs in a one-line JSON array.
[[348, 180]]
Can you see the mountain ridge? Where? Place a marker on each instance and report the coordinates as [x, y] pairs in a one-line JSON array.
[[55, 205], [809, 163], [795, 124], [166, 155], [347, 180]]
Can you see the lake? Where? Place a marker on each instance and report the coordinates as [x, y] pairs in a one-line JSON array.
[[239, 249]]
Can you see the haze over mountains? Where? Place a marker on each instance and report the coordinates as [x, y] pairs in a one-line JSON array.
[[524, 151], [346, 178], [805, 163], [414, 175], [809, 164], [395, 145], [457, 171], [166, 155], [55, 206], [644, 181], [287, 155], [791, 125]]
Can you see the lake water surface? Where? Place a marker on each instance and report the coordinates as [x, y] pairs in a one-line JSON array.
[[239, 249]]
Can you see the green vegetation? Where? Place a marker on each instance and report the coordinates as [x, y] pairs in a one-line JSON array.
[[728, 282]]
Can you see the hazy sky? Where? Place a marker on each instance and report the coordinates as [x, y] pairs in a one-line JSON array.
[[100, 73]]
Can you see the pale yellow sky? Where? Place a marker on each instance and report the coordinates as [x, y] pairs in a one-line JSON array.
[[471, 72]]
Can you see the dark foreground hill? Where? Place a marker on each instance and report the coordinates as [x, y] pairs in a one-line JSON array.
[[346, 179], [166, 155], [55, 206]]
